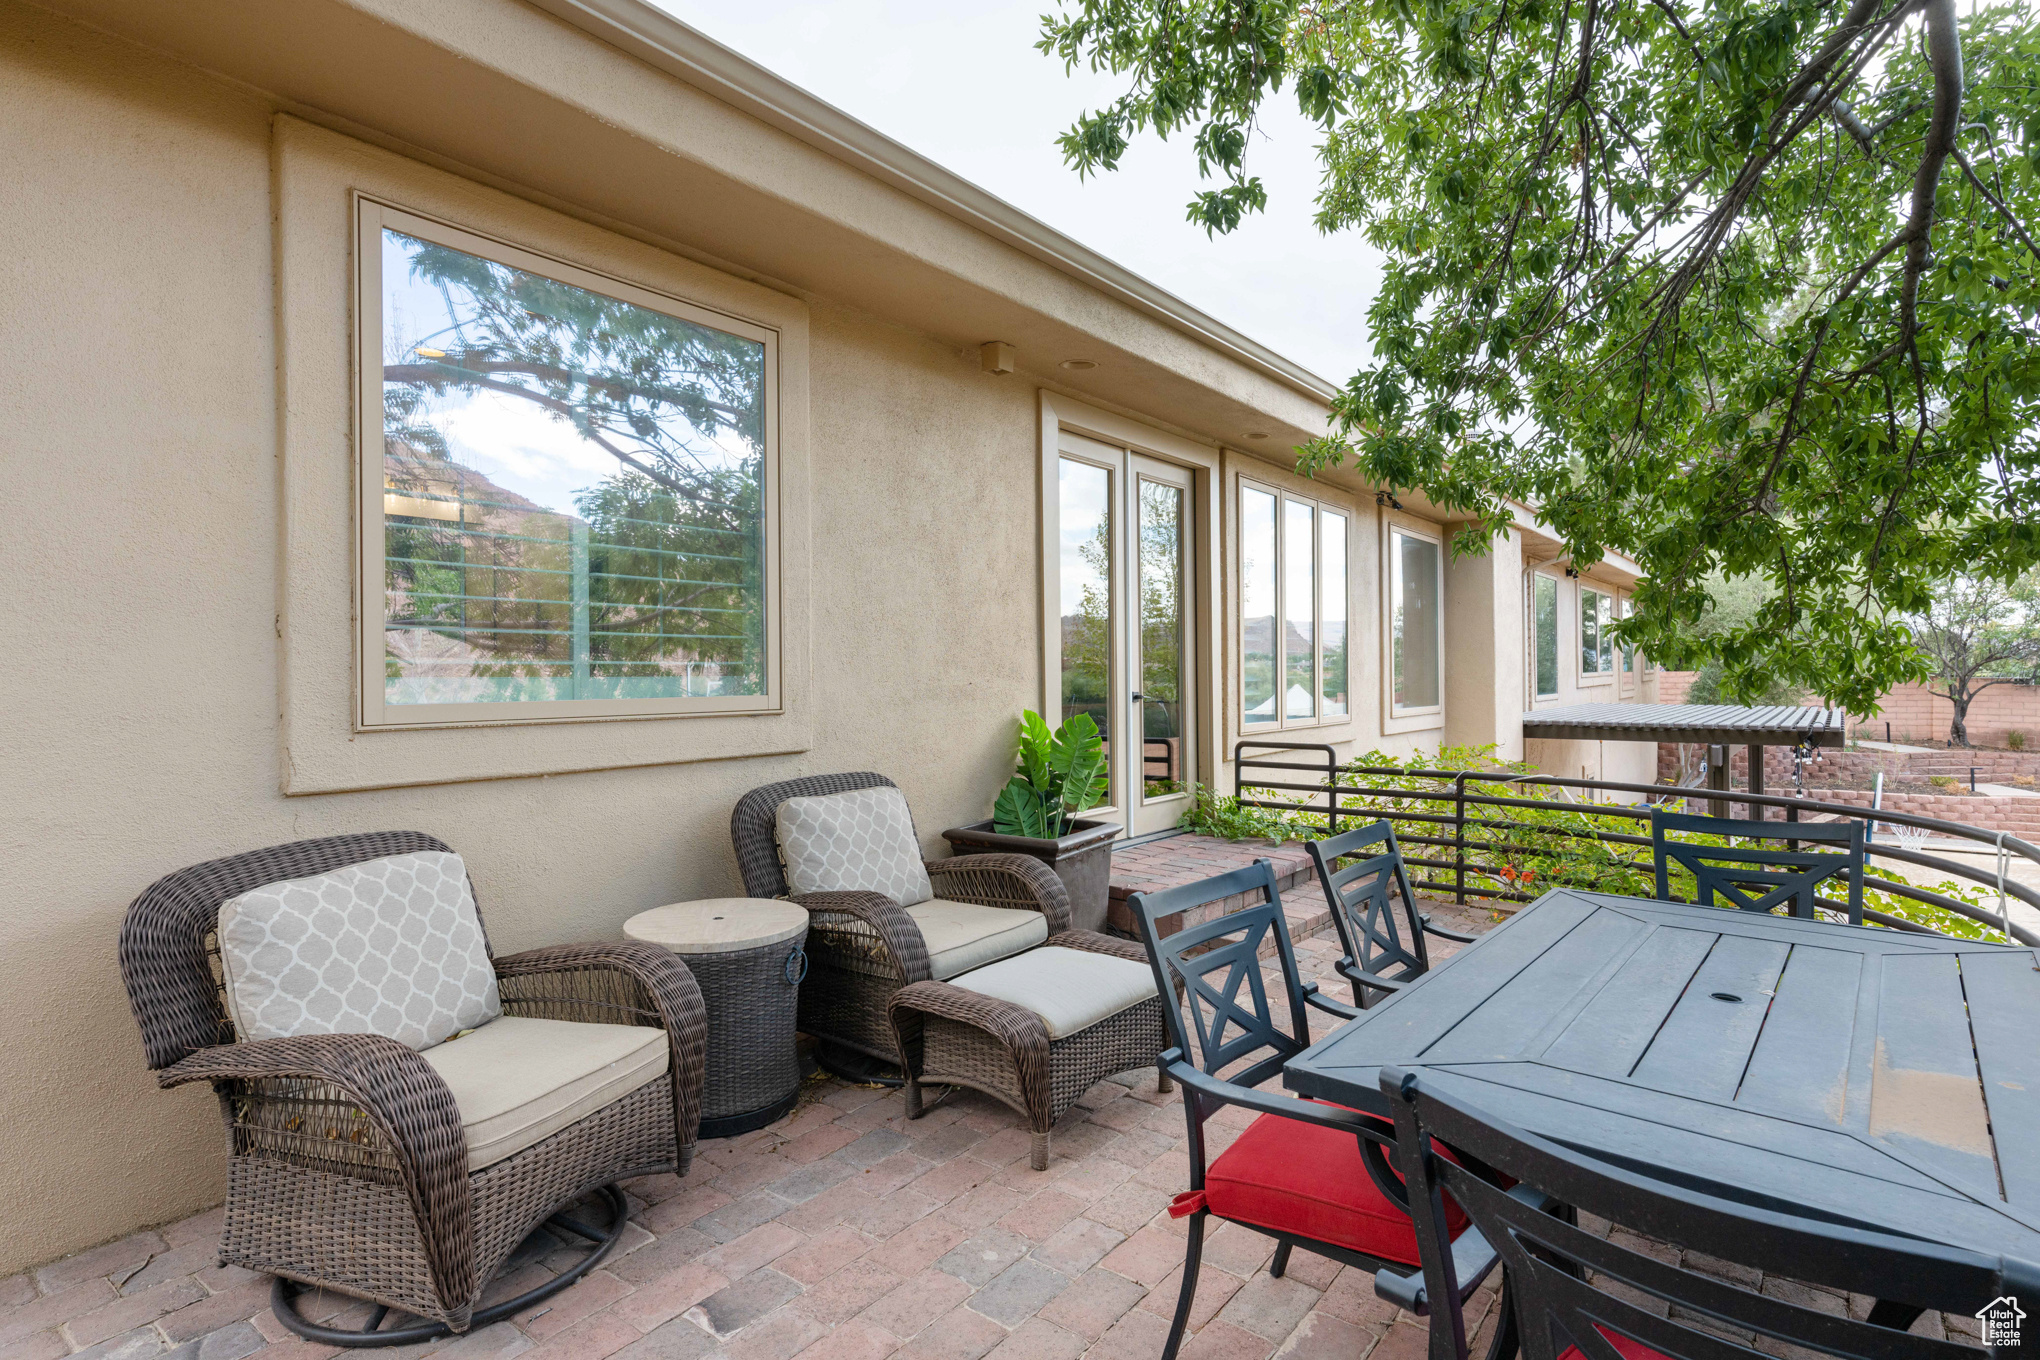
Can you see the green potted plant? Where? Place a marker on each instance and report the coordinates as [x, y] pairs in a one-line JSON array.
[[1059, 774]]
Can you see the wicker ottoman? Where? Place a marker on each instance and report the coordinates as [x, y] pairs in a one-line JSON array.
[[745, 954], [1047, 1025]]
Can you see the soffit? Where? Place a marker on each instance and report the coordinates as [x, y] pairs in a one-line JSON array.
[[531, 102]]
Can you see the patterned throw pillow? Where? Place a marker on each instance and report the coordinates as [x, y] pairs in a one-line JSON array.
[[392, 947], [862, 841]]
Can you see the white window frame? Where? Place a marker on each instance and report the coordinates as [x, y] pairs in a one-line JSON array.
[[1390, 565], [1602, 647], [1062, 416], [1320, 508], [372, 217], [1531, 634], [1628, 665]]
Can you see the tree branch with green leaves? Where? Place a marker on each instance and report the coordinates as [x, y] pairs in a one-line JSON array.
[[1738, 290]]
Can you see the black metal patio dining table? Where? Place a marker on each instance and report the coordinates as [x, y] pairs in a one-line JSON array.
[[1879, 1078]]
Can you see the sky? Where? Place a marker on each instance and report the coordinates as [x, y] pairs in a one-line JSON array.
[[962, 85]]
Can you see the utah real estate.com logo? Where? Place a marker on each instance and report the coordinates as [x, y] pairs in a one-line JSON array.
[[2001, 1318]]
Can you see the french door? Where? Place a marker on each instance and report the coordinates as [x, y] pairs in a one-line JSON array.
[[1124, 538]]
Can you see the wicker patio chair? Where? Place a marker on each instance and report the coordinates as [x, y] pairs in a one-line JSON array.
[[1382, 939], [1580, 1295], [348, 1157], [863, 946]]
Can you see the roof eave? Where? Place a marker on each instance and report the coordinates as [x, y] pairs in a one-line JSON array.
[[657, 38]]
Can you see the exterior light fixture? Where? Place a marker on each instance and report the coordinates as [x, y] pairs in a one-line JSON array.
[[1257, 434], [426, 352], [1078, 365]]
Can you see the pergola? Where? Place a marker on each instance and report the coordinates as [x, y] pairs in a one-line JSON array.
[[1717, 726]]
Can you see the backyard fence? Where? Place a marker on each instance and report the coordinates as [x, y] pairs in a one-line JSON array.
[[1502, 835]]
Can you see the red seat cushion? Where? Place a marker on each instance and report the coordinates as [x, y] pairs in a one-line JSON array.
[[1308, 1180], [1630, 1348]]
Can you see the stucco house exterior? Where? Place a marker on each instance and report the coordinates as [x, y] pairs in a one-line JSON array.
[[315, 313]]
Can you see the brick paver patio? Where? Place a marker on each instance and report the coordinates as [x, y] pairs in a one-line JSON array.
[[844, 1232]]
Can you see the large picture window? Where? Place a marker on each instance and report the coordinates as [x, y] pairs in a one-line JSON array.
[[567, 504], [1597, 645], [1416, 593], [1293, 610]]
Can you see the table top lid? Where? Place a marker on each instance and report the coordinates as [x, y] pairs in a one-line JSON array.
[[1884, 1076], [718, 925]]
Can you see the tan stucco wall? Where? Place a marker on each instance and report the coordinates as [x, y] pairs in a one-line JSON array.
[[1483, 648], [140, 448]]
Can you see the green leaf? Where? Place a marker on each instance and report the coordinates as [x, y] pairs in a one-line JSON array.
[[1080, 758], [1019, 811], [1037, 750]]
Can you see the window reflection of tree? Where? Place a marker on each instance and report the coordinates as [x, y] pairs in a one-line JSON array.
[[1087, 635], [661, 573]]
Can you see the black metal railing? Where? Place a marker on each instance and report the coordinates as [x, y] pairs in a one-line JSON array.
[[1469, 825]]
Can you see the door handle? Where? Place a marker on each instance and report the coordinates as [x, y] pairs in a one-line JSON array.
[[1136, 698]]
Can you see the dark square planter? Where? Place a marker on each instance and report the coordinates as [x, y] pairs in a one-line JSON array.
[[1082, 860]]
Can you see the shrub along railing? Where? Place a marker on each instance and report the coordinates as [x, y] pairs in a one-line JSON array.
[[1487, 830]]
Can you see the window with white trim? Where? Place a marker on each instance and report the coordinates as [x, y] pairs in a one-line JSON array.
[[1416, 611], [1597, 646], [1544, 635], [566, 489], [1622, 610], [1294, 610]]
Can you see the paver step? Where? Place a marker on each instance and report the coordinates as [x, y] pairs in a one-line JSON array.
[[1152, 866]]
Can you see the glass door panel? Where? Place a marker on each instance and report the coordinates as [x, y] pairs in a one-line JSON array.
[[1125, 614], [1086, 612], [1161, 637], [1159, 756]]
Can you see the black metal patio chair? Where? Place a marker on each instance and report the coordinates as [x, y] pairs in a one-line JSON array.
[[1759, 880], [1383, 942], [1307, 1173], [1579, 1296]]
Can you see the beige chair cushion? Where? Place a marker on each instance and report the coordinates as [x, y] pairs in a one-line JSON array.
[[1070, 989], [963, 935], [392, 946], [861, 841], [518, 1080]]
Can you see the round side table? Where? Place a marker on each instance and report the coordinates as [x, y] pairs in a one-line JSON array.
[[745, 954]]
